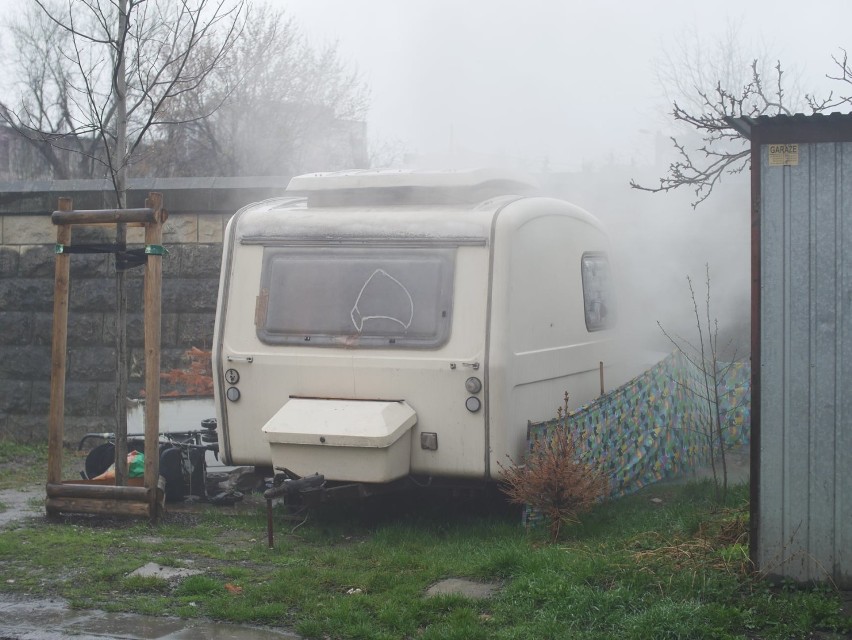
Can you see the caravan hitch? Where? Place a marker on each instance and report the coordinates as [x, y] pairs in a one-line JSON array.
[[290, 485]]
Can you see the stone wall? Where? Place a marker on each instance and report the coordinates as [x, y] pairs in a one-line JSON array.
[[27, 261]]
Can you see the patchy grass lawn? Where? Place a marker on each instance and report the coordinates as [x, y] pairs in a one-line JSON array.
[[25, 465], [633, 569]]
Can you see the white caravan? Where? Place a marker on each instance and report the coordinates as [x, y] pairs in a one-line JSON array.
[[391, 324]]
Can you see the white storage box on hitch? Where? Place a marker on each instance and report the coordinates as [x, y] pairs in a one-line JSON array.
[[311, 435]]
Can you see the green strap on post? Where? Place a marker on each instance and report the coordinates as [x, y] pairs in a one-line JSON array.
[[150, 249], [156, 250]]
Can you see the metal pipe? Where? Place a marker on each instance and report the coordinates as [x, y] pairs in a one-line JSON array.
[[269, 533]]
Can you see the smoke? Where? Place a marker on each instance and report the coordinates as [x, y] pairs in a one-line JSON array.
[[658, 240]]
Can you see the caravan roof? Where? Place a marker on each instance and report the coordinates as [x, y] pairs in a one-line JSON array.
[[400, 187]]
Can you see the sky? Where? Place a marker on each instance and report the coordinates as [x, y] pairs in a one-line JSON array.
[[547, 83]]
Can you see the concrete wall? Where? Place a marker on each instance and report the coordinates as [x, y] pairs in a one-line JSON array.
[[198, 212]]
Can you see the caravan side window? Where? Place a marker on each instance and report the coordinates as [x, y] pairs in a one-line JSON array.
[[356, 296], [598, 294]]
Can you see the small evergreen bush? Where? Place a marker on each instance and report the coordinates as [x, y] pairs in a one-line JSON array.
[[554, 480]]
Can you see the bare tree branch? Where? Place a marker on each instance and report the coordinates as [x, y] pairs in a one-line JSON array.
[[844, 75], [68, 24], [722, 150], [708, 84]]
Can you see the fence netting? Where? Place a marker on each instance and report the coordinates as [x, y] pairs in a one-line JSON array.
[[655, 426]]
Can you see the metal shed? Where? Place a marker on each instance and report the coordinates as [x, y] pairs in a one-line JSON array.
[[801, 492]]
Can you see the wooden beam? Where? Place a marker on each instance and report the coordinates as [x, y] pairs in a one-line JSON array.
[[135, 225], [103, 216], [97, 491], [97, 506], [56, 418]]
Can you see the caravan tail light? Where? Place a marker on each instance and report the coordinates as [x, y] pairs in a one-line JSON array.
[[473, 385], [473, 404]]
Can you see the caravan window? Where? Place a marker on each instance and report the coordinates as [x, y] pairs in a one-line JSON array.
[[356, 296], [598, 294]]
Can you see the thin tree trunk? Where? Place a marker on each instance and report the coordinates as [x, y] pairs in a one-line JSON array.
[[120, 184], [713, 338]]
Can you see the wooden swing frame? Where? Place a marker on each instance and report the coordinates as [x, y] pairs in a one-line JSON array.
[[92, 496]]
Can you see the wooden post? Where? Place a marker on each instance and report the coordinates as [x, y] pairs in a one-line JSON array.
[[153, 300], [56, 419], [89, 496]]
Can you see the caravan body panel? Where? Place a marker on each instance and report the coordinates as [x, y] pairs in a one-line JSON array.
[[321, 299]]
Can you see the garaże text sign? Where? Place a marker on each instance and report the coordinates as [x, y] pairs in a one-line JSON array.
[[783, 155]]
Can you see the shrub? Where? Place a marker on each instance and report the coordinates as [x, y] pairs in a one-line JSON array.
[[554, 480]]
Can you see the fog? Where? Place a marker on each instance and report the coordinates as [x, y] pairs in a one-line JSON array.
[[572, 92], [543, 81]]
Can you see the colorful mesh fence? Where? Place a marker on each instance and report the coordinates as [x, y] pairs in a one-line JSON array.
[[653, 427]]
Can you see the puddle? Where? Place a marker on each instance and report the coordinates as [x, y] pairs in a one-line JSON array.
[[51, 619], [19, 504]]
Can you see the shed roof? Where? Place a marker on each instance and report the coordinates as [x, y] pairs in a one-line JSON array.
[[798, 127]]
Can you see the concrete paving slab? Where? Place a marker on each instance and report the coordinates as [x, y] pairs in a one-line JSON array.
[[461, 587], [154, 570]]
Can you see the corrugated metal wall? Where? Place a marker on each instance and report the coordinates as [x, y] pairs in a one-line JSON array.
[[805, 507]]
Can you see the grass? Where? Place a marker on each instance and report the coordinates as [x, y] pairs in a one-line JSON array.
[[21, 463], [25, 465], [632, 569]]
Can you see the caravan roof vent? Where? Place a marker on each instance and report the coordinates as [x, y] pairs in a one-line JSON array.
[[400, 187]]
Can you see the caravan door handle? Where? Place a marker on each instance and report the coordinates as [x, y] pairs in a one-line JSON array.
[[248, 359]]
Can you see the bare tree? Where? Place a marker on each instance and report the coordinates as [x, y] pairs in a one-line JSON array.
[[282, 107], [705, 357], [707, 85], [264, 103], [385, 153], [44, 114], [97, 76]]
